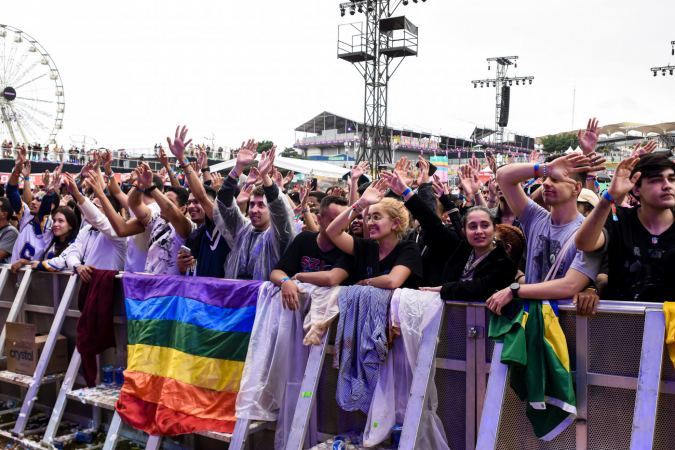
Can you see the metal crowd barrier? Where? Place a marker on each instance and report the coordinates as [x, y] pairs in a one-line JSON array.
[[625, 382]]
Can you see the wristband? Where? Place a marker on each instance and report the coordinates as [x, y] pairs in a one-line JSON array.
[[206, 169], [607, 196], [17, 174], [187, 161], [406, 192], [536, 170], [592, 288], [150, 189], [140, 190], [357, 207], [591, 178], [544, 170], [284, 279], [453, 211], [170, 171], [236, 175], [368, 281]]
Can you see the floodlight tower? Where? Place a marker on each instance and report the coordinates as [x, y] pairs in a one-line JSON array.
[[372, 52], [503, 84], [663, 69]]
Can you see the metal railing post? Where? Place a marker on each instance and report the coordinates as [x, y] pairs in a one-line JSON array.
[[649, 381], [422, 379], [494, 400]]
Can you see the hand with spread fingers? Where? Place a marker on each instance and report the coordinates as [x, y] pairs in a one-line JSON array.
[[561, 168], [177, 147], [589, 138], [622, 183], [640, 150]]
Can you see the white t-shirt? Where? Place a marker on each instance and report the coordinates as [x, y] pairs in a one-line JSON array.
[[30, 245], [163, 246], [137, 246]]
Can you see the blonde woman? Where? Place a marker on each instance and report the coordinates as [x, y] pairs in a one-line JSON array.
[[384, 260]]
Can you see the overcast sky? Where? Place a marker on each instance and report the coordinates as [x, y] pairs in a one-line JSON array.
[[133, 70]]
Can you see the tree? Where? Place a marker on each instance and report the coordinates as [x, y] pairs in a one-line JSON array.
[[290, 153], [559, 143], [264, 146]]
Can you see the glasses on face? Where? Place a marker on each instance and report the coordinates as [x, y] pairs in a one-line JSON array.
[[376, 218], [193, 202]]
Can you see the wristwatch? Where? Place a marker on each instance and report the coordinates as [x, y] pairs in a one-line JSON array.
[[514, 289]]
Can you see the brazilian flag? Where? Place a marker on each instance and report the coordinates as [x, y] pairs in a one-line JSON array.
[[535, 349]]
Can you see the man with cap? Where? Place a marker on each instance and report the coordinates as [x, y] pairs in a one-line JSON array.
[[586, 201]]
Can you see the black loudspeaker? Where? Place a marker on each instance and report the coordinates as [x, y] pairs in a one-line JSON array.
[[506, 101]]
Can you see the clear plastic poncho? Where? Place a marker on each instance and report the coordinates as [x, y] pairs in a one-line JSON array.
[[255, 253]]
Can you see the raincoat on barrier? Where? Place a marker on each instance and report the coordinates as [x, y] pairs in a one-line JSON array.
[[254, 254]]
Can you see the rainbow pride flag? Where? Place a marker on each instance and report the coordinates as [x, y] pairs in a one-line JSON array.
[[187, 344]]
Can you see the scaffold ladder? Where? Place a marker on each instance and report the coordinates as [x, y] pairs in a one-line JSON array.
[[38, 376]]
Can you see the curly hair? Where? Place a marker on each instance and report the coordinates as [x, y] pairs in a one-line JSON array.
[[512, 236], [396, 210]]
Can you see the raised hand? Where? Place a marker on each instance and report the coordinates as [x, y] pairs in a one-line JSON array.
[[304, 193], [177, 147], [622, 182], [289, 177], [202, 157], [639, 150], [247, 154], [46, 178], [534, 157], [277, 178], [71, 184], [163, 158], [440, 189], [402, 167], [561, 168], [396, 181], [106, 160], [589, 138], [216, 181], [144, 176], [253, 176], [492, 162], [375, 193], [596, 161], [266, 163], [423, 174], [25, 172], [468, 179], [360, 169], [244, 195], [96, 182]]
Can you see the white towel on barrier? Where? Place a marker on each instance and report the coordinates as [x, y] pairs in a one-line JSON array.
[[416, 309], [323, 310], [275, 363]]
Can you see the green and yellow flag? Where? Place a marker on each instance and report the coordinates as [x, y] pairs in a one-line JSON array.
[[535, 349]]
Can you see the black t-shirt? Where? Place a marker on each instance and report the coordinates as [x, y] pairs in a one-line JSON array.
[[641, 265], [367, 262], [210, 249], [304, 255]]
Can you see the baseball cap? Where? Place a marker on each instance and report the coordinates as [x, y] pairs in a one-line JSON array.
[[588, 196]]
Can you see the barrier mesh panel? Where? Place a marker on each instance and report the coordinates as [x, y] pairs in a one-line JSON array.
[[515, 430], [668, 371], [451, 386], [610, 417], [615, 343], [664, 436], [331, 419], [490, 345], [262, 440], [452, 344]]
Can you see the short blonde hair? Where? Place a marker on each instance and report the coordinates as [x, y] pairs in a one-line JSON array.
[[396, 210]]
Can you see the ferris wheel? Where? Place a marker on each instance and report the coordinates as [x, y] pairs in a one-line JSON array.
[[31, 101]]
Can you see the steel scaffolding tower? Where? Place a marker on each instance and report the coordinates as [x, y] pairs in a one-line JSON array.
[[501, 81], [385, 39]]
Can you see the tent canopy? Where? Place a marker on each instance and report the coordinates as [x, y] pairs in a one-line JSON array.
[[317, 168]]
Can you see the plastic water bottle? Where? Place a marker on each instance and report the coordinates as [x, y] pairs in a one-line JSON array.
[[108, 378], [339, 445], [396, 434], [119, 376]]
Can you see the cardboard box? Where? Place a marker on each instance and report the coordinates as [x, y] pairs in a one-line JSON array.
[[24, 350]]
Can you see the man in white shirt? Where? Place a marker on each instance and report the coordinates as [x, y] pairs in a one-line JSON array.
[[169, 228]]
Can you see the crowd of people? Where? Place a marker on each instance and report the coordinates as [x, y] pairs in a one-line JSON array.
[[491, 243]]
